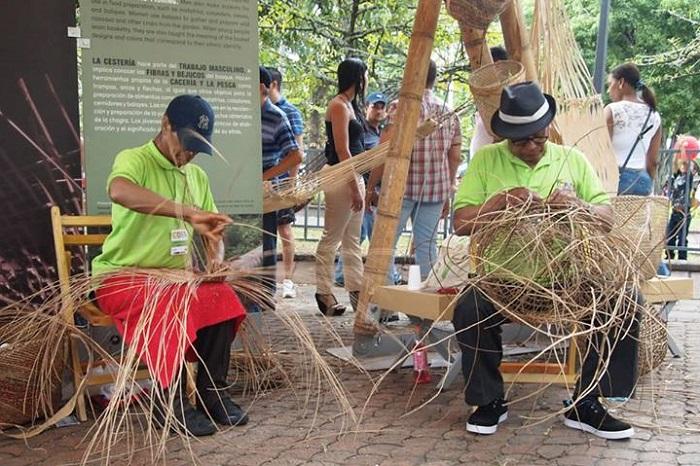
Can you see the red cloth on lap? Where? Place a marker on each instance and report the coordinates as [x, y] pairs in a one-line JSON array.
[[172, 308]]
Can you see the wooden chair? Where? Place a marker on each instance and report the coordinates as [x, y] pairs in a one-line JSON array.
[[69, 232]]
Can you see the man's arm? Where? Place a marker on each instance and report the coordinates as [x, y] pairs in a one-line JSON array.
[[139, 199], [293, 172], [468, 219], [291, 160]]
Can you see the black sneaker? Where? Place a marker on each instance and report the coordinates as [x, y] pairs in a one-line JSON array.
[[590, 416], [185, 418], [223, 410], [486, 418]]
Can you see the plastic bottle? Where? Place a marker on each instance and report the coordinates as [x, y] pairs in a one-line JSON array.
[[421, 370]]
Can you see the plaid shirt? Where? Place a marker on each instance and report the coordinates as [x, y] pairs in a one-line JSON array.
[[293, 115], [429, 172]]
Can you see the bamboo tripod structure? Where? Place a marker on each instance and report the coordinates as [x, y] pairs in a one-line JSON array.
[[398, 159]]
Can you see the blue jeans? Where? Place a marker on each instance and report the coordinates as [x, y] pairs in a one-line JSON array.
[[365, 233], [634, 182], [424, 220]]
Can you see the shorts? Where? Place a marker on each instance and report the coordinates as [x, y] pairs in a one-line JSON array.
[[285, 216]]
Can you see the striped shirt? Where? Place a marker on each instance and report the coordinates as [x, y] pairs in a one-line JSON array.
[[429, 172], [277, 137], [293, 115]]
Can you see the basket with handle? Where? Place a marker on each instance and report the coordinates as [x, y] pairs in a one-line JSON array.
[[487, 83]]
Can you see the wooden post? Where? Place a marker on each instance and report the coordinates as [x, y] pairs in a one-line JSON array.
[[474, 41], [517, 39], [398, 159]]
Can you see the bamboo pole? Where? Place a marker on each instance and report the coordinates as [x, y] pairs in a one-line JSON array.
[[398, 160], [517, 39], [474, 41]]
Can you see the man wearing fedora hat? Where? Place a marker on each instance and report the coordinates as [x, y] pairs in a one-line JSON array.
[[525, 166]]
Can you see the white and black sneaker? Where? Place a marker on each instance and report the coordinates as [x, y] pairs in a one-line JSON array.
[[486, 418], [590, 416]]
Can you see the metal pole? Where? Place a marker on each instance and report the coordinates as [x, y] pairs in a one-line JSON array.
[[601, 50]]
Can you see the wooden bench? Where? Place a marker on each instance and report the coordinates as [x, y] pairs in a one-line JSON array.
[[433, 306]]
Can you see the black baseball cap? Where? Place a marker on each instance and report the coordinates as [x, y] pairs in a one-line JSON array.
[[193, 119]]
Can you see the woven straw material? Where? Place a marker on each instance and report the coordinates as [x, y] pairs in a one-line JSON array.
[[653, 344], [476, 13], [546, 267], [24, 390], [643, 219], [487, 83]]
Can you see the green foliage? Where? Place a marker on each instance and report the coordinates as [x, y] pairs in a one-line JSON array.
[[652, 34]]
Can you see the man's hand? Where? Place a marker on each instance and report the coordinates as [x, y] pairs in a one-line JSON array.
[[516, 197], [371, 200], [210, 225], [564, 199]]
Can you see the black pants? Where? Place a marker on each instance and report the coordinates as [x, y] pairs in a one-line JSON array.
[[478, 330], [213, 347], [269, 260], [674, 232]]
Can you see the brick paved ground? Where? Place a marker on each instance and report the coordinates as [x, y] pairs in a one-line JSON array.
[[281, 432]]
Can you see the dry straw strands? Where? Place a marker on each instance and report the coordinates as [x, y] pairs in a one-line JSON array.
[[293, 192], [563, 74]]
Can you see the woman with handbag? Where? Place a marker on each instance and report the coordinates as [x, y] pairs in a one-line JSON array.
[[635, 129]]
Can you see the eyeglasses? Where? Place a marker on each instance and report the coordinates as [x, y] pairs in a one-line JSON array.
[[539, 140]]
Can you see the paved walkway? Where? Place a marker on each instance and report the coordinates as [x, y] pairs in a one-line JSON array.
[[286, 430]]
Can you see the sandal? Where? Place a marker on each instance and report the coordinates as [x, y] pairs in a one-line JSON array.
[[334, 309]]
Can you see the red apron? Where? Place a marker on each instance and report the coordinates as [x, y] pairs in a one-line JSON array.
[[175, 313]]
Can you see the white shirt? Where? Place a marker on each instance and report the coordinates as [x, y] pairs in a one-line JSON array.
[[628, 118], [481, 136]]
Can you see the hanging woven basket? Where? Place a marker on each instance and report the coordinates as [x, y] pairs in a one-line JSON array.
[[487, 83], [643, 220], [476, 13]]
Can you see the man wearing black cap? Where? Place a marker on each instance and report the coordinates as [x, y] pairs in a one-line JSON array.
[[160, 200], [525, 166]]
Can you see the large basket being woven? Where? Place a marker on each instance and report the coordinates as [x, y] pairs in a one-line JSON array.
[[643, 220], [476, 13], [30, 377], [544, 267], [487, 83], [653, 344]]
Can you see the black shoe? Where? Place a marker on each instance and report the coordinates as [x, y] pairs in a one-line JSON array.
[[223, 410], [590, 416], [486, 418], [185, 417]]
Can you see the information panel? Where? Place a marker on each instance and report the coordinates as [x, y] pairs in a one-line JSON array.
[[138, 54]]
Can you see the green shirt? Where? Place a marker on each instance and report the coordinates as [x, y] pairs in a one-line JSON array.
[[495, 169], [151, 241]]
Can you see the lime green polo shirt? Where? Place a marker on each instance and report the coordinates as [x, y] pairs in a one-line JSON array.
[[495, 169], [151, 241]]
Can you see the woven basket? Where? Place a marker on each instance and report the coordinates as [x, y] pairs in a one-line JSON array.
[[476, 13], [487, 83], [27, 392], [653, 344], [643, 220]]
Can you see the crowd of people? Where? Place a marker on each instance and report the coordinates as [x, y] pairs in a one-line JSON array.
[[161, 198]]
